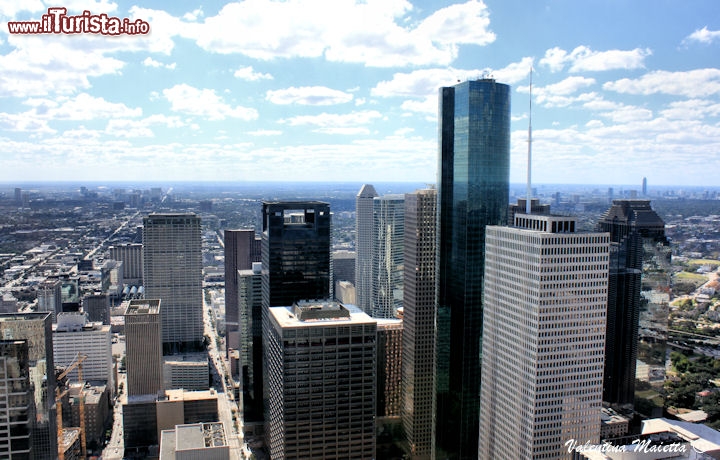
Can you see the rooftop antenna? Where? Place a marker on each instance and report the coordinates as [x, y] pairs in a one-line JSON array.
[[528, 206]]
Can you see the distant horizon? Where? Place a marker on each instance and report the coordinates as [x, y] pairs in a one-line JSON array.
[[98, 183]]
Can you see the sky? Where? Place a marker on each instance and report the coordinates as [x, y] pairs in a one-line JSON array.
[[346, 90]]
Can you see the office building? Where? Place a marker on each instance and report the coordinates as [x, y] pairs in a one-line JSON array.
[[543, 338], [172, 271], [364, 223], [418, 349], [248, 366], [295, 252], [74, 335], [193, 441], [321, 381], [190, 371], [387, 253], [637, 236], [35, 329], [131, 257], [143, 352], [182, 407], [242, 249], [344, 266], [473, 184], [389, 367], [16, 402], [345, 292], [97, 307], [49, 297]]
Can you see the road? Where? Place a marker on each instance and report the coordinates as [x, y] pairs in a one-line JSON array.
[[226, 406]]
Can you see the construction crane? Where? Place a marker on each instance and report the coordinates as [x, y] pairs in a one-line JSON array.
[[77, 362]]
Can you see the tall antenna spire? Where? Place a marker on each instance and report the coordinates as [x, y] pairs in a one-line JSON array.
[[528, 206]]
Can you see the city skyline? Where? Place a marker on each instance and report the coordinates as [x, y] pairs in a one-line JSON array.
[[262, 90]]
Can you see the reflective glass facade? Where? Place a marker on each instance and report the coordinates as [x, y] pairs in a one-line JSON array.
[[473, 182], [387, 268]]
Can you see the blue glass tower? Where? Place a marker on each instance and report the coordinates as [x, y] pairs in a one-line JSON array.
[[473, 184]]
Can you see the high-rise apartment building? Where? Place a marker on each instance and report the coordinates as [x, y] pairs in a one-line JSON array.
[[295, 252], [49, 297], [635, 228], [364, 224], [418, 362], [321, 382], [172, 270], [545, 296], [143, 341], [473, 189], [39, 397], [387, 255]]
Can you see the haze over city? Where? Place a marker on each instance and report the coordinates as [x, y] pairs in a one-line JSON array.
[[311, 91]]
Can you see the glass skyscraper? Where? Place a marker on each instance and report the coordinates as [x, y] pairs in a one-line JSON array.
[[387, 256], [473, 183]]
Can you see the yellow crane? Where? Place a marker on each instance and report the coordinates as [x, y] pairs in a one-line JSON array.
[[77, 362]]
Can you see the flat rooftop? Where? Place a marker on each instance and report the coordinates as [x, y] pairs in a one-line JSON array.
[[143, 307]]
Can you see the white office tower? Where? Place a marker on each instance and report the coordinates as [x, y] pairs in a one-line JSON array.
[[172, 271], [321, 382], [74, 335], [364, 246], [545, 298]]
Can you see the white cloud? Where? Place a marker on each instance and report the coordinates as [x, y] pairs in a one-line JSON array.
[[628, 113], [265, 132], [247, 73], [87, 107], [128, 129], [703, 36], [308, 95], [692, 109], [691, 83], [332, 120], [193, 15], [205, 103], [24, 122], [348, 131], [371, 33], [560, 94], [583, 59], [150, 62]]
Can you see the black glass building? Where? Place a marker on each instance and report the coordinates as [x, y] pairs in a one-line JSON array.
[[295, 252], [473, 184], [637, 236]]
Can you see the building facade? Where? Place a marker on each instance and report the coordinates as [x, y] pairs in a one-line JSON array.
[[387, 268], [16, 400], [321, 362], [74, 335], [419, 335], [473, 184], [364, 222], [295, 252], [36, 330], [143, 353], [546, 290], [131, 256], [635, 230], [172, 270], [242, 248], [249, 363]]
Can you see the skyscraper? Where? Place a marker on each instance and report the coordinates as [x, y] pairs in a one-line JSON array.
[[473, 184], [144, 348], [295, 252], [172, 271], [250, 341], [364, 222], [242, 248], [16, 400], [632, 225], [418, 362], [545, 296], [321, 381], [387, 255], [39, 396]]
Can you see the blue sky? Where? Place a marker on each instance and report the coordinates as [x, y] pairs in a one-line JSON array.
[[347, 90]]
